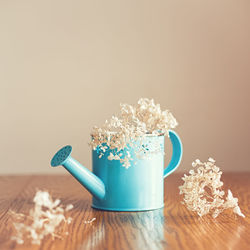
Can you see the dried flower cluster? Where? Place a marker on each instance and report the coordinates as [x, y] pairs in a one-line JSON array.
[[89, 221], [202, 190], [42, 220], [133, 122]]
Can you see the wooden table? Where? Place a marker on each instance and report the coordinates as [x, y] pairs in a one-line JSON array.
[[173, 227]]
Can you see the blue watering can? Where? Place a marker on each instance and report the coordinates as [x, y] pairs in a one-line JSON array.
[[137, 188]]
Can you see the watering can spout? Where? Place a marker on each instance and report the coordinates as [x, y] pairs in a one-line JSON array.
[[89, 180]]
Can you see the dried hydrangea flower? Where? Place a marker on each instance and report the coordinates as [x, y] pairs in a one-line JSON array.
[[42, 220], [202, 190], [89, 221], [132, 123]]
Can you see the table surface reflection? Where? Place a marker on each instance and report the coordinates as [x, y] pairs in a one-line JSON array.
[[173, 227]]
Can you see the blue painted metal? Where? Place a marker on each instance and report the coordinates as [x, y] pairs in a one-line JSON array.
[[90, 181], [176, 155], [115, 188]]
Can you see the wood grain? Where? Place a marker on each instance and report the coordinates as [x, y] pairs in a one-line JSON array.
[[173, 227]]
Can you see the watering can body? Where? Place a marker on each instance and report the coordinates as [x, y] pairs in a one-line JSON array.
[[116, 188]]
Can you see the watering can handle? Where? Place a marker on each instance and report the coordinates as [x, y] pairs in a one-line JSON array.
[[176, 155]]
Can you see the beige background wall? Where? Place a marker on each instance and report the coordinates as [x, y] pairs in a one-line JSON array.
[[66, 65]]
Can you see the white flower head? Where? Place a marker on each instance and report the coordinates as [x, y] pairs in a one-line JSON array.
[[133, 122], [202, 190], [43, 219]]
